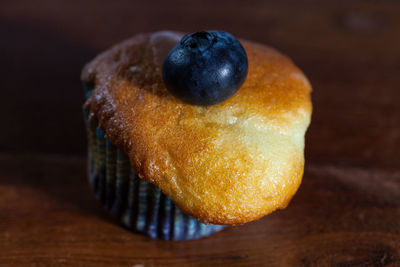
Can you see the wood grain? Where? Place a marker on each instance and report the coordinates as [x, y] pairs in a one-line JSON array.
[[347, 211], [339, 217]]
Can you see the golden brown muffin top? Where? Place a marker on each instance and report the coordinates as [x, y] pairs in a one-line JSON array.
[[229, 163]]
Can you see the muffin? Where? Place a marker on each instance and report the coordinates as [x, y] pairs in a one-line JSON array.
[[176, 170]]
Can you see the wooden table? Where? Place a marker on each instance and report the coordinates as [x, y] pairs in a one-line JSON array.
[[347, 211]]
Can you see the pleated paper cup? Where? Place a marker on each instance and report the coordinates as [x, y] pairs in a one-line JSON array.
[[139, 205]]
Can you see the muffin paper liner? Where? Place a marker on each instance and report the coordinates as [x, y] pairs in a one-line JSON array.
[[139, 205]]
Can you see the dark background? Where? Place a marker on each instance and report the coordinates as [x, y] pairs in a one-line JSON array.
[[348, 210]]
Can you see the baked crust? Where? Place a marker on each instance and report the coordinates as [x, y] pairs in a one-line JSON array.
[[229, 163]]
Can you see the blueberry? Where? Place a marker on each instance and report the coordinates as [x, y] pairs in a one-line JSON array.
[[205, 68]]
